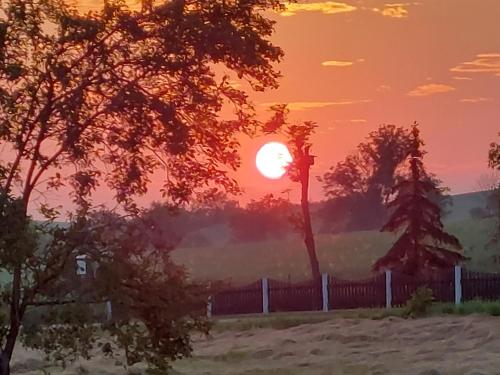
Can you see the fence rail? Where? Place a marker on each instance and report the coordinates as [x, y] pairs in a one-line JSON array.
[[345, 294], [480, 285], [329, 293], [442, 286], [242, 300], [284, 296]]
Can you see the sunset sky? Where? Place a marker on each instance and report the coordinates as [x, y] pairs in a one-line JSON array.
[[351, 66]]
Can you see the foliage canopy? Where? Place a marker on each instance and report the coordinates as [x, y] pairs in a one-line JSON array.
[[423, 244], [113, 96]]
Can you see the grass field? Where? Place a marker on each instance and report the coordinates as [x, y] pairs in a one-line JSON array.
[[346, 255], [335, 345], [354, 342]]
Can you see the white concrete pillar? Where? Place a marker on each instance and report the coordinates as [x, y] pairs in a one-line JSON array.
[[265, 296], [458, 285], [209, 308], [109, 311], [388, 289], [324, 291]]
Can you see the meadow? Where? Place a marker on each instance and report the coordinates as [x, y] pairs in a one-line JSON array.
[[354, 342], [345, 255]]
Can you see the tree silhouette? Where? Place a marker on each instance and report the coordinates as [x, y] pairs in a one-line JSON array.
[[299, 170], [359, 186], [112, 97], [423, 244], [363, 180], [299, 143], [494, 162], [262, 219]]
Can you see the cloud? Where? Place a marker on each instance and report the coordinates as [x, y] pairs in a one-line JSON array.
[[325, 7], [476, 100], [384, 88], [483, 63], [397, 10], [462, 78], [234, 84], [391, 10], [85, 6], [337, 63], [341, 64], [358, 121], [431, 89], [304, 106]]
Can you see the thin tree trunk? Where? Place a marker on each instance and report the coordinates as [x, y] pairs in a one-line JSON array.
[[15, 323], [4, 364], [16, 314], [308, 233]]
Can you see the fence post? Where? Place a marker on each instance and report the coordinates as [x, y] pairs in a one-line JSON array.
[[109, 311], [324, 291], [209, 307], [265, 296], [388, 289], [458, 285]]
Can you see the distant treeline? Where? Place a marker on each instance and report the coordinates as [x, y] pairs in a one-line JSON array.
[[357, 190]]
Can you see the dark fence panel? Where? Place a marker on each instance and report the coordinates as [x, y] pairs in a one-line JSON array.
[[442, 285], [284, 296], [345, 294], [479, 285], [242, 300]]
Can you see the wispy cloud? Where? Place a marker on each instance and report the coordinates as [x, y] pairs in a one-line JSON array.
[[397, 10], [85, 6], [384, 88], [431, 89], [391, 10], [337, 63], [462, 78], [304, 106], [341, 64], [325, 7], [234, 84], [358, 121], [483, 63], [476, 100]]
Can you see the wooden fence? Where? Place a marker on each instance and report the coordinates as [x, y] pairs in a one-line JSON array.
[[243, 300], [442, 285], [356, 294], [284, 296], [329, 293], [478, 285]]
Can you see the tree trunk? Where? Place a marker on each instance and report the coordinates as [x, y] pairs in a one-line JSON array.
[[15, 318], [308, 233], [4, 363], [15, 323]]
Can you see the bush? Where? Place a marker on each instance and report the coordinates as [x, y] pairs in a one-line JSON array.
[[493, 309], [419, 303]]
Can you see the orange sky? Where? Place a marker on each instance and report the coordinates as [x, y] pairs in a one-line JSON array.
[[353, 65]]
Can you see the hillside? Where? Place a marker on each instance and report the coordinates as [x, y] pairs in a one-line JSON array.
[[463, 204], [347, 255]]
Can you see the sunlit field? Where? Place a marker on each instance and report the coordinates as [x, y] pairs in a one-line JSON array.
[[347, 255], [362, 342]]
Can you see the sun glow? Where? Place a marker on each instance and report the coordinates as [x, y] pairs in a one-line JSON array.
[[272, 160]]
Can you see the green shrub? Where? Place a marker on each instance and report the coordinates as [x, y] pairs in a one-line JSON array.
[[448, 309], [419, 303], [493, 309]]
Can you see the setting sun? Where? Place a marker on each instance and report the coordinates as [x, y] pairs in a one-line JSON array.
[[272, 160]]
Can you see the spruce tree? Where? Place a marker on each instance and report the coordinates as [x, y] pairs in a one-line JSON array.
[[423, 244]]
